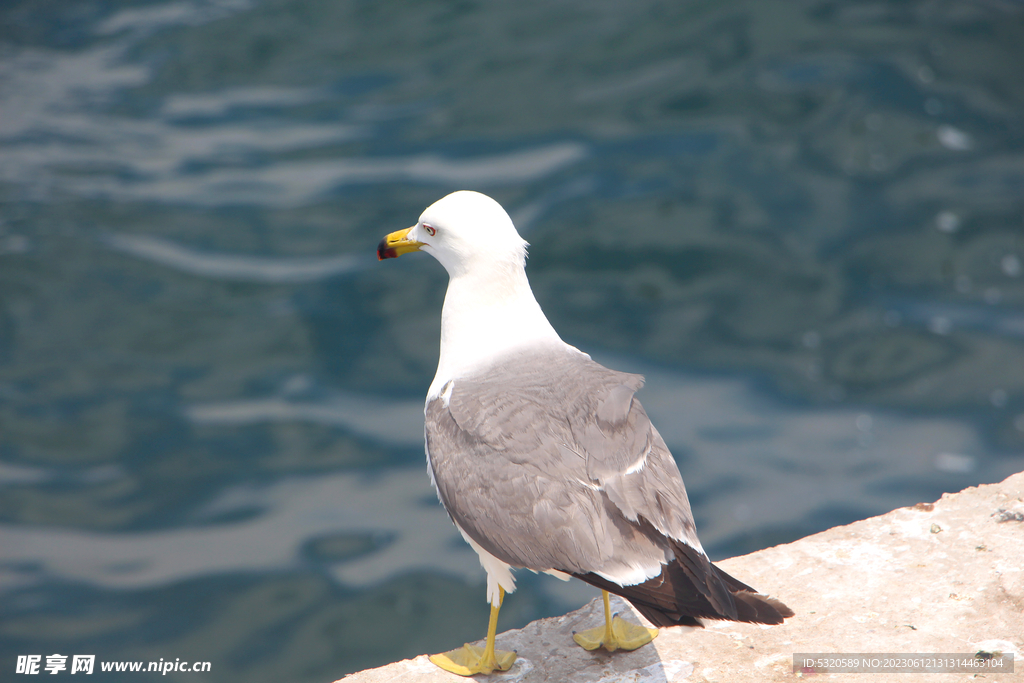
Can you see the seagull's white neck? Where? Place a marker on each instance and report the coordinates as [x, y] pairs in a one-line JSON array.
[[488, 314]]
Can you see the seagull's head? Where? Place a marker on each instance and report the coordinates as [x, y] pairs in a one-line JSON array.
[[463, 231]]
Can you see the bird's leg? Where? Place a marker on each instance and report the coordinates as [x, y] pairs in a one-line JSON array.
[[616, 634], [470, 659]]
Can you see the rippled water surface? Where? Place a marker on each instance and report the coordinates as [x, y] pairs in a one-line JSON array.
[[802, 221]]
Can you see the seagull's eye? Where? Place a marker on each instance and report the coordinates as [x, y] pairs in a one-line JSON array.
[[430, 230]]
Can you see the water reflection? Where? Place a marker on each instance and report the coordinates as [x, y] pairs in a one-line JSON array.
[[287, 184], [396, 423], [268, 529], [236, 266]]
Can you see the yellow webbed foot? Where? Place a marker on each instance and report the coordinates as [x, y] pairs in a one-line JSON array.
[[621, 636], [616, 634], [470, 659]]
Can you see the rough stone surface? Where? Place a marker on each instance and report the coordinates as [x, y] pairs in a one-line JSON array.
[[934, 578]]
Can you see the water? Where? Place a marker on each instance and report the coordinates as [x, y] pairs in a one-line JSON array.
[[803, 222]]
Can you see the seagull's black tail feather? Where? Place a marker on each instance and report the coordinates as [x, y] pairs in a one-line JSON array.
[[691, 588]]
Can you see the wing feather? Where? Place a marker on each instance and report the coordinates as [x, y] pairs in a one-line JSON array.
[[537, 461]]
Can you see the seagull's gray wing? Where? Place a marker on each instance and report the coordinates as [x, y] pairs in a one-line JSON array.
[[549, 462]]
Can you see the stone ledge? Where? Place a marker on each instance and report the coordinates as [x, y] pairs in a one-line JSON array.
[[934, 578]]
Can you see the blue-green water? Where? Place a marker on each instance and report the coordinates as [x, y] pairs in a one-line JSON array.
[[802, 221]]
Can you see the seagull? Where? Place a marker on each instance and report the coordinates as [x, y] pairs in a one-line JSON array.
[[544, 459]]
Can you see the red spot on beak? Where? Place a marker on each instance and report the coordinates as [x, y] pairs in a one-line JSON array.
[[383, 251]]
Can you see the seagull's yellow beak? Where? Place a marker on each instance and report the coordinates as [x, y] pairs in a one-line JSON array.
[[396, 244]]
